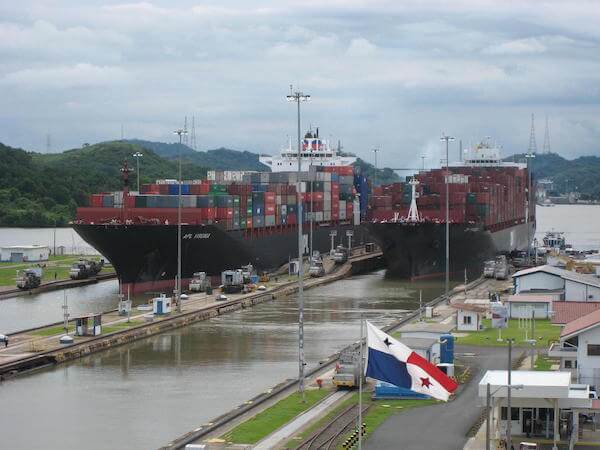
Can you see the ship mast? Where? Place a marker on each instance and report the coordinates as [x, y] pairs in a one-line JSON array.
[[125, 176], [413, 212]]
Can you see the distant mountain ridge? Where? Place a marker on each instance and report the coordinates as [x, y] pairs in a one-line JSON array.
[[217, 159]]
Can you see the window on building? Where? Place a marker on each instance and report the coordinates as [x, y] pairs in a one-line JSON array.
[[568, 364], [466, 320], [593, 350], [514, 413]]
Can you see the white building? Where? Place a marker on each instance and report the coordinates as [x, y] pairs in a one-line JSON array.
[[526, 306], [428, 348], [579, 348], [426, 330], [572, 286], [25, 253], [469, 316], [537, 398]]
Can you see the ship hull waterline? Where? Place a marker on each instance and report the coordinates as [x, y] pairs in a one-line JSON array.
[[145, 256]]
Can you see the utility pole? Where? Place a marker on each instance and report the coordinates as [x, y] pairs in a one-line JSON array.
[[423, 162], [375, 151], [508, 395], [180, 132], [137, 156], [447, 139], [300, 97]]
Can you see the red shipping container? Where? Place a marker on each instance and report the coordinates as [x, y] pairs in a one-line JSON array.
[[224, 213], [96, 200], [269, 210], [269, 198], [335, 214], [291, 219], [130, 201]]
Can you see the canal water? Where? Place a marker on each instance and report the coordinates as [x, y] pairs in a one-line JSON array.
[[142, 395]]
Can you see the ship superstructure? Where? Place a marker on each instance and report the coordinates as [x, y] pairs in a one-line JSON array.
[[315, 152]]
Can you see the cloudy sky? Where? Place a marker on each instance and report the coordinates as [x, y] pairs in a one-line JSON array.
[[392, 74]]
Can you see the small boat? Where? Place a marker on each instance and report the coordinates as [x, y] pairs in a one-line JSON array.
[[221, 298], [261, 288]]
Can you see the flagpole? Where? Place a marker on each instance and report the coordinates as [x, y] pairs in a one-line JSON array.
[[360, 377]]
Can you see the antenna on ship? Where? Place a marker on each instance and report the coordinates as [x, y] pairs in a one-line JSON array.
[[413, 212], [532, 145], [546, 148]]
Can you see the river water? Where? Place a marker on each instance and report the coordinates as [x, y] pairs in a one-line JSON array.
[[142, 395]]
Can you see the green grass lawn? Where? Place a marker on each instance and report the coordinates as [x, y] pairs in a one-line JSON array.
[[51, 331], [59, 265], [120, 326], [545, 332], [544, 363], [264, 423]]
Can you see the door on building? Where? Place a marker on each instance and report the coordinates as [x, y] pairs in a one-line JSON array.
[[16, 257], [527, 422]]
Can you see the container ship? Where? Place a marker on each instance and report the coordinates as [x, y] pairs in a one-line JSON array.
[[229, 219], [491, 211]]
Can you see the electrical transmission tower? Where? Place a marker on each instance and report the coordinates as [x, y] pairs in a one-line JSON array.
[[546, 148], [532, 145], [185, 128], [193, 136]]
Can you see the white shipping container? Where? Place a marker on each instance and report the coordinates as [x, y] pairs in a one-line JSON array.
[[342, 205], [319, 216], [343, 214], [327, 215]]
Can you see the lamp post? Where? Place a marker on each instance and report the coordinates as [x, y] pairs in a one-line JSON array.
[[300, 97], [529, 157], [137, 156], [180, 132], [447, 139]]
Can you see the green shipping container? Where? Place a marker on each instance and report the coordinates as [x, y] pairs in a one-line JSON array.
[[218, 189]]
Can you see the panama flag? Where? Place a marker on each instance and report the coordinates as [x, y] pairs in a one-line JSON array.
[[393, 362]]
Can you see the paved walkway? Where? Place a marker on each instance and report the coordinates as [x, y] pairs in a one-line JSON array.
[[299, 422]]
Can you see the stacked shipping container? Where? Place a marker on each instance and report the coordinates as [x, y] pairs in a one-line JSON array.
[[492, 196], [239, 200]]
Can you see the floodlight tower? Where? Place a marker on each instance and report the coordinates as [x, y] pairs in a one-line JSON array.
[[298, 97], [180, 132], [447, 139]]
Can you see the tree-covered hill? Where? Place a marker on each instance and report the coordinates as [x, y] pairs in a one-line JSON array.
[[218, 159], [580, 174], [43, 189]]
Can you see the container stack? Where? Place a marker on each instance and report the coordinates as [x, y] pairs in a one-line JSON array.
[[241, 200], [492, 196]]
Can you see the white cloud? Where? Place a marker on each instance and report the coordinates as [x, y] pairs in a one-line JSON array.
[[63, 77], [401, 70]]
